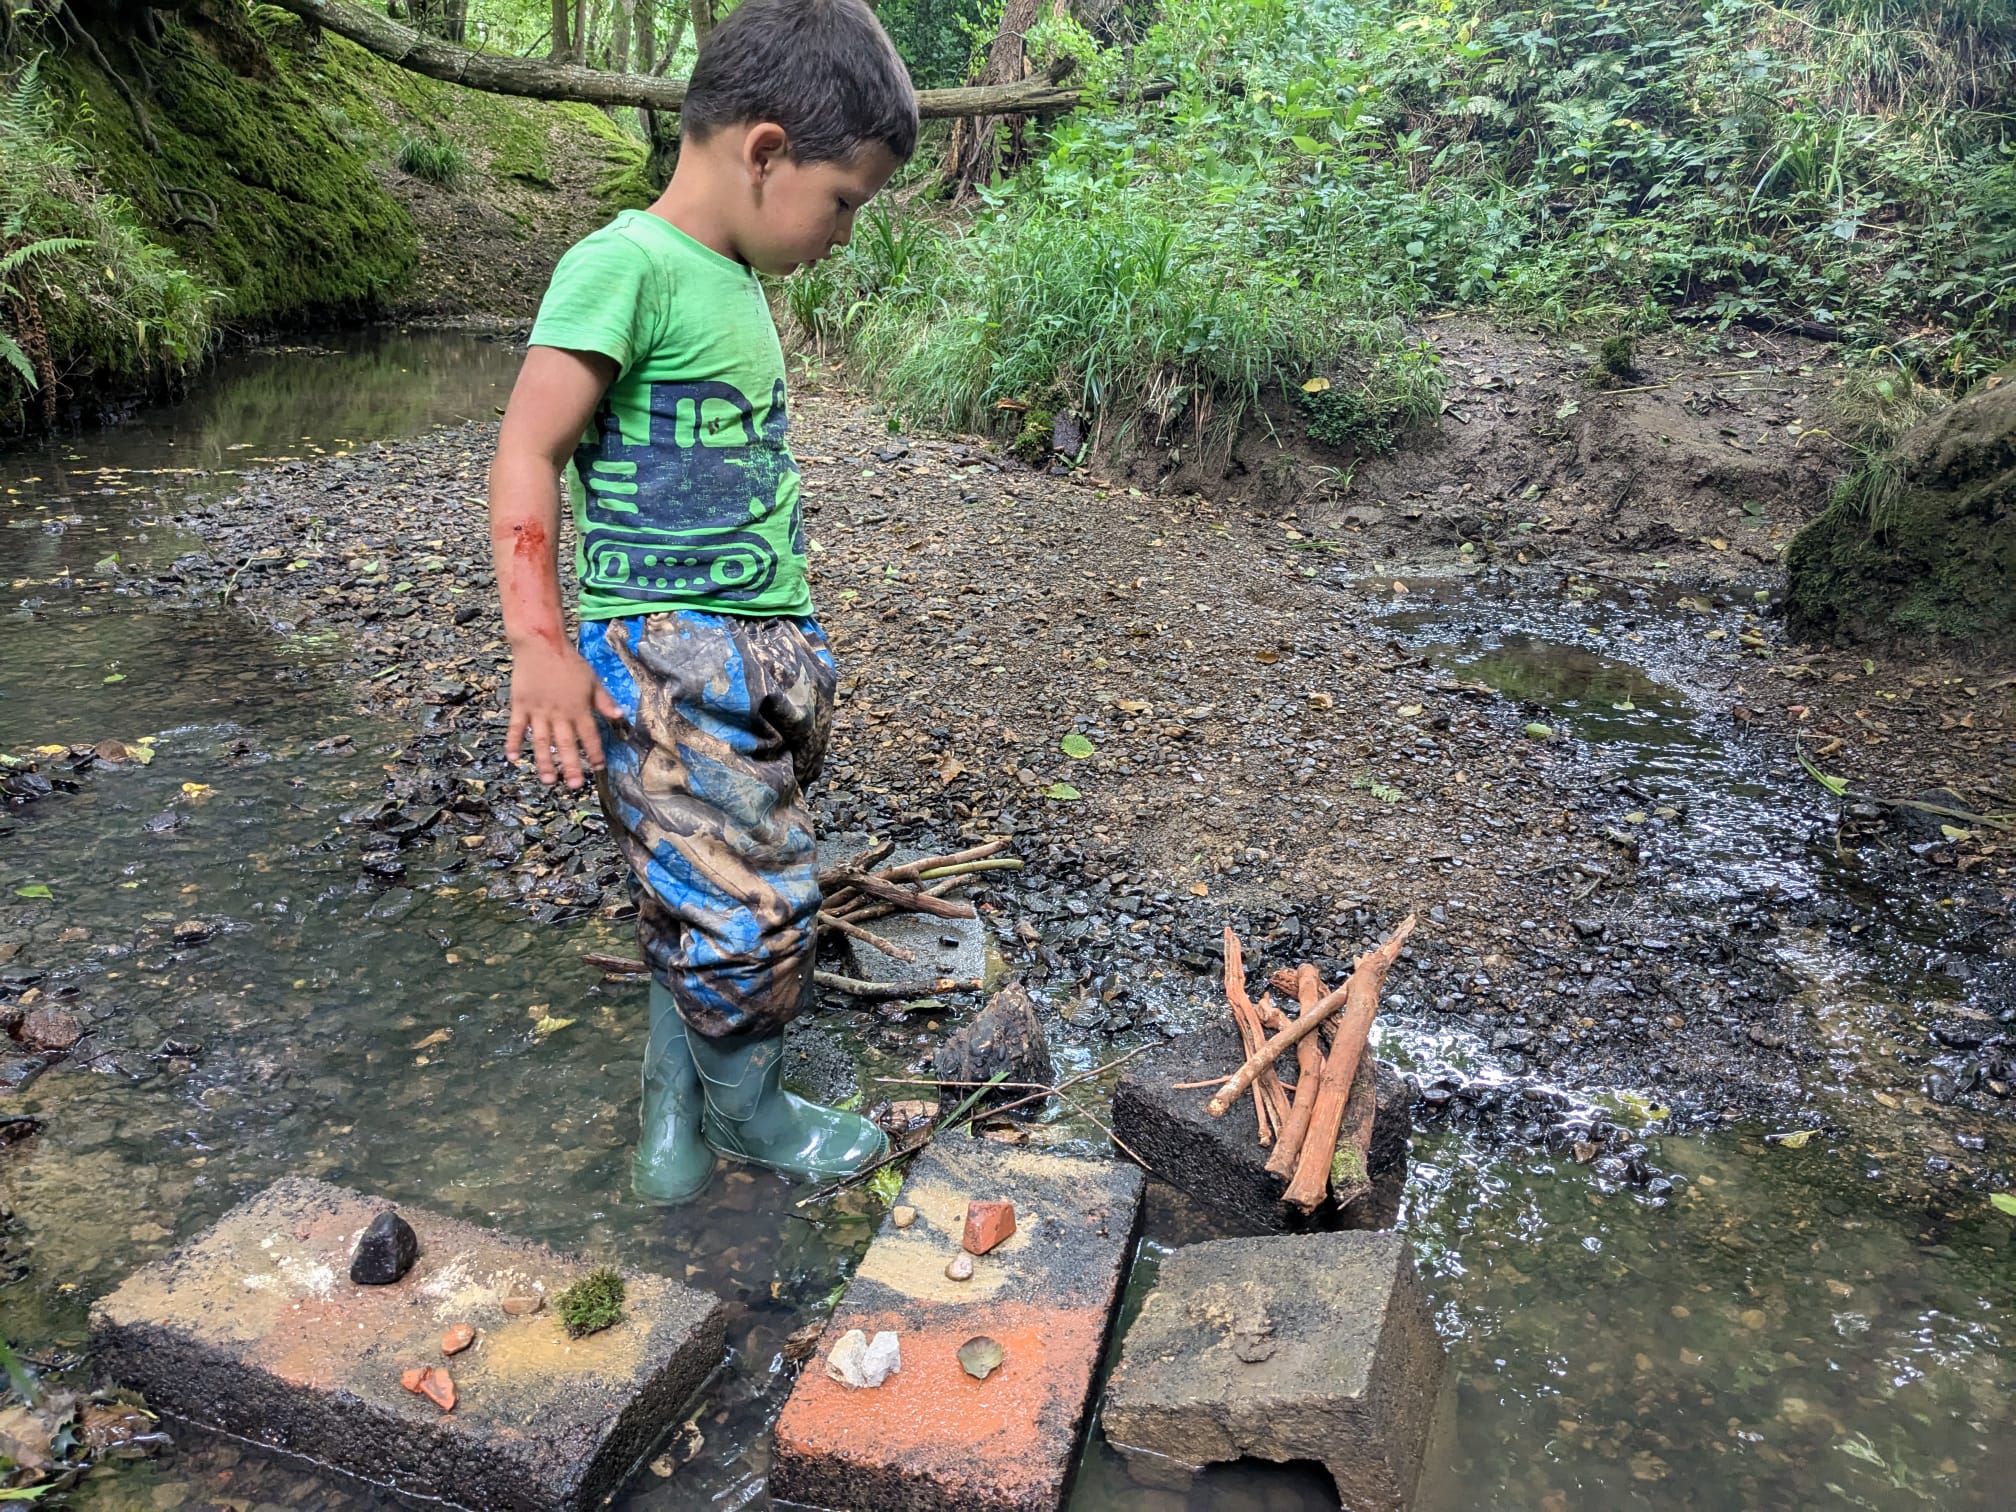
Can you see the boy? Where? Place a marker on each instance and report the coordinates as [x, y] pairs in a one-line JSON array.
[[699, 675]]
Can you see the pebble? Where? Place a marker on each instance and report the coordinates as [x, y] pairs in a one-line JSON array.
[[903, 1217], [862, 1362], [523, 1306], [960, 1268], [386, 1252], [457, 1339]]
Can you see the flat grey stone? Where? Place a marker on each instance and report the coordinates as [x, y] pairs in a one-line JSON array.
[[1297, 1347], [255, 1327], [1220, 1163], [955, 948]]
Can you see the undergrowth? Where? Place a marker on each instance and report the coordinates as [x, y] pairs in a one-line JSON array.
[[434, 159], [82, 286], [1321, 174]]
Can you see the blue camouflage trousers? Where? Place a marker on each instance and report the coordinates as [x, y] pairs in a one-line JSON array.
[[725, 722]]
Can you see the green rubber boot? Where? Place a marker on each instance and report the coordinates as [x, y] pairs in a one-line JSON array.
[[673, 1163], [751, 1117]]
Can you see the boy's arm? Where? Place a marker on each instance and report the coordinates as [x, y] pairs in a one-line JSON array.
[[554, 692]]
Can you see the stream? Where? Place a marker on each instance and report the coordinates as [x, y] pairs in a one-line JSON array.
[[1770, 1325]]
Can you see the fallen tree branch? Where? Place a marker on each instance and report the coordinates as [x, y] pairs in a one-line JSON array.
[[1340, 1071], [621, 965], [1270, 1103], [541, 80]]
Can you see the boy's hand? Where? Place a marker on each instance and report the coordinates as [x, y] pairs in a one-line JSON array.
[[554, 698]]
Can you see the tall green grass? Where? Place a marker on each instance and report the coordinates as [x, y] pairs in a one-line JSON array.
[[1323, 173], [81, 285]]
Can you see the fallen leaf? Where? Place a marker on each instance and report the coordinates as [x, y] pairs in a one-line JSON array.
[[1796, 1140], [1408, 711], [1062, 792], [438, 1037], [1540, 731], [2003, 1202], [1076, 746], [1266, 657], [547, 1026], [1199, 890], [33, 890], [1316, 386], [980, 1357], [950, 768], [196, 792]]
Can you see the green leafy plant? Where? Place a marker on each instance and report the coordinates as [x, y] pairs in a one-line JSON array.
[[591, 1304]]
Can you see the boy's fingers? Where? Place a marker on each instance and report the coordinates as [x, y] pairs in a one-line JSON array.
[[542, 748], [570, 754], [591, 745], [514, 738], [605, 703]]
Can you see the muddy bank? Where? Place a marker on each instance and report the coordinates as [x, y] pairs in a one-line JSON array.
[[1269, 748]]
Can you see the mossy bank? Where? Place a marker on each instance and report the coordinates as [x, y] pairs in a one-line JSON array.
[[265, 160]]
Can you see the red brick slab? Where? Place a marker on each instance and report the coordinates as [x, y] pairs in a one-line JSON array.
[[256, 1328], [931, 1438]]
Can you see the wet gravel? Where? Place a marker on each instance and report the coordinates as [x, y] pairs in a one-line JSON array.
[[1265, 751]]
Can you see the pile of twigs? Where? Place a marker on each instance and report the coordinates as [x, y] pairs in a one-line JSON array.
[[1320, 1126], [861, 889]]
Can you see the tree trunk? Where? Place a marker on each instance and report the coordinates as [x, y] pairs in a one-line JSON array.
[[558, 51], [703, 21], [975, 155], [622, 29], [533, 79], [580, 53]]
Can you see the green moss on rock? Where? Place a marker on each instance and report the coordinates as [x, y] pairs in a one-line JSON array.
[[591, 1304], [1941, 562]]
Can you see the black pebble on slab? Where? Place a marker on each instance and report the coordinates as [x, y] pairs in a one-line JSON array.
[[386, 1252]]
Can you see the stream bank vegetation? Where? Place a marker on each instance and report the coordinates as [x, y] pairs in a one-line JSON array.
[[1323, 174]]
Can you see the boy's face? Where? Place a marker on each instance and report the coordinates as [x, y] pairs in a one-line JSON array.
[[799, 213]]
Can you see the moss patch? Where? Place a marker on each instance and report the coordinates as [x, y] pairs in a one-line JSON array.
[[1940, 563], [591, 1304]]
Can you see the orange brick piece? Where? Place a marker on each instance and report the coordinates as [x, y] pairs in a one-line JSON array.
[[934, 1437], [987, 1224]]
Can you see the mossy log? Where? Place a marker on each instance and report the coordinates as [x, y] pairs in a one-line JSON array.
[[541, 79], [1940, 562]]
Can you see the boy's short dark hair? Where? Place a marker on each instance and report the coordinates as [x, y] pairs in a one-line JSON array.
[[824, 70]]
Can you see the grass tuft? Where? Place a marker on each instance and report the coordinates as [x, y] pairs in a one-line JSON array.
[[591, 1304], [434, 159]]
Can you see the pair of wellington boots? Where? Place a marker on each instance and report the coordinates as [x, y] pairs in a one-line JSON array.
[[724, 1096]]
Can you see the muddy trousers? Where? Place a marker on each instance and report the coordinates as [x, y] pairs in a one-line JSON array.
[[724, 724]]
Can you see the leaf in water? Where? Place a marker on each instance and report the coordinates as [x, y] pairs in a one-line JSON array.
[[1076, 746], [2004, 1202], [438, 1037], [1316, 386], [1063, 792], [547, 1026], [34, 890], [886, 1183], [1838, 786], [50, 750], [1636, 816], [196, 792], [1626, 707], [980, 1357], [1540, 731], [116, 677], [1796, 1140]]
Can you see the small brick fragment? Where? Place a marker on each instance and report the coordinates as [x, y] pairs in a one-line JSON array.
[[434, 1383], [523, 1307], [987, 1225], [457, 1339]]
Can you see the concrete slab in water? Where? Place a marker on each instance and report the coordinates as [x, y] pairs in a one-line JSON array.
[[932, 1438], [255, 1327], [1220, 1161], [1297, 1347]]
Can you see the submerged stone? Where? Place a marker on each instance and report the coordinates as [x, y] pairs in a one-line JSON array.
[[386, 1252]]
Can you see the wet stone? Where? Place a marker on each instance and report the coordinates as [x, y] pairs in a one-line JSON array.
[[1220, 1162], [934, 1436], [1295, 1347], [1004, 1039], [386, 1252], [252, 1328]]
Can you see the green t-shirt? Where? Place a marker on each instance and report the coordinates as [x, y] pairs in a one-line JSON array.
[[686, 493]]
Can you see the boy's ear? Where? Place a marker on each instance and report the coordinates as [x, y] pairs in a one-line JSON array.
[[764, 145]]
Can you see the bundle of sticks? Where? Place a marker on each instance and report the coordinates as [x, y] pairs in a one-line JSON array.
[[862, 888], [1320, 1130]]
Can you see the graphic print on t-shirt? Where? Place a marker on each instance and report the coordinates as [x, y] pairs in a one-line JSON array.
[[673, 488]]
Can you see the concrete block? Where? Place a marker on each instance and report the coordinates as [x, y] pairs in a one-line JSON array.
[[932, 1438], [1220, 1162], [254, 1327], [1297, 1347]]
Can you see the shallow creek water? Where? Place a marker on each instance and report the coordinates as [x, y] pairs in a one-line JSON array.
[[1788, 1328]]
